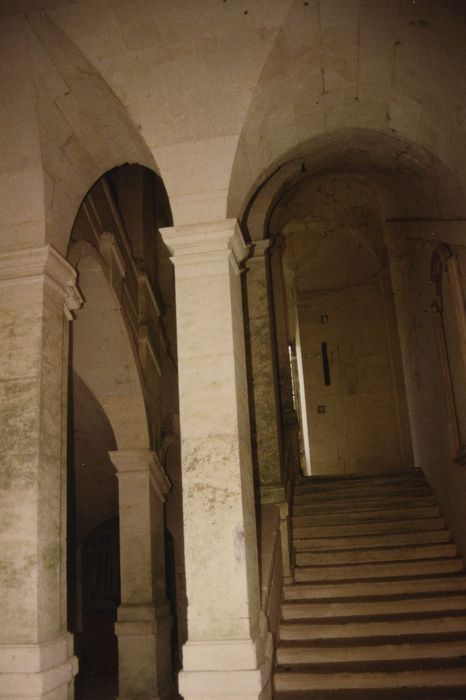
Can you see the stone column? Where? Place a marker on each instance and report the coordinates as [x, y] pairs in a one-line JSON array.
[[144, 622], [37, 291], [266, 419], [227, 653]]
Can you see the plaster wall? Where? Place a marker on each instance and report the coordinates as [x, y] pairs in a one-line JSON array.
[[426, 390], [358, 430]]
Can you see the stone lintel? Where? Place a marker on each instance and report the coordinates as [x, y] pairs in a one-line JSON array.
[[24, 264], [198, 241], [138, 461]]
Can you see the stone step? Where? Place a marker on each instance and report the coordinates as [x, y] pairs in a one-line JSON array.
[[383, 554], [352, 505], [408, 627], [295, 681], [379, 570], [369, 541], [376, 515], [316, 654], [370, 528], [340, 482], [361, 495], [314, 610], [373, 589], [339, 488]]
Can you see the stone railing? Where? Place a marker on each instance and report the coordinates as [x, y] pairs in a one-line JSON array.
[[271, 565]]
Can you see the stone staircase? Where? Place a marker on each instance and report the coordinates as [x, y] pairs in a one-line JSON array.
[[378, 607]]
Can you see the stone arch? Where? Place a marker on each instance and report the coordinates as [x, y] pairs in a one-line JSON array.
[[74, 129], [413, 182], [320, 80], [119, 355]]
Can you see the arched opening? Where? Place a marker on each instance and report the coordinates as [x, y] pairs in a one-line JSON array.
[[122, 411], [341, 326], [93, 552], [328, 210]]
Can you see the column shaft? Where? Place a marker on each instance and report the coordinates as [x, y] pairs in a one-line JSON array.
[[36, 659], [266, 419], [225, 644], [144, 623]]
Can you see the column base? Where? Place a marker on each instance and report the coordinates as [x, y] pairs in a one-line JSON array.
[[42, 671], [227, 670], [144, 652]]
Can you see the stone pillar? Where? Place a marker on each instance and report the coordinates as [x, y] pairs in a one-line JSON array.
[[266, 420], [273, 476], [144, 622], [228, 649], [37, 293]]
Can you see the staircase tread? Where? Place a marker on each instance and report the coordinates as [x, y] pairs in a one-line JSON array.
[[406, 598], [370, 528], [365, 516], [407, 471], [371, 643], [408, 552], [376, 665], [438, 693], [380, 597], [358, 494], [379, 581], [369, 541]]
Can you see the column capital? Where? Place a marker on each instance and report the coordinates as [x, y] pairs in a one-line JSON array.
[[23, 264], [136, 461], [198, 241]]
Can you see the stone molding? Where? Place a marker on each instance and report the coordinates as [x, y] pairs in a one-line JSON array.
[[243, 666], [27, 669], [139, 461], [259, 250], [198, 241], [26, 263]]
